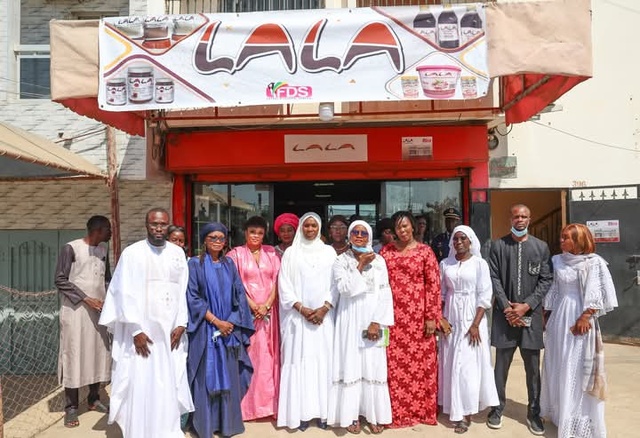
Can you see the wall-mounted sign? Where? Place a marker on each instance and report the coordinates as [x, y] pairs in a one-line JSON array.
[[417, 148], [503, 167], [607, 231], [324, 148], [275, 57]]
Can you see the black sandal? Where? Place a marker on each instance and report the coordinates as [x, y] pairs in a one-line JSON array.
[[98, 406], [304, 425], [461, 427], [354, 428], [71, 418]]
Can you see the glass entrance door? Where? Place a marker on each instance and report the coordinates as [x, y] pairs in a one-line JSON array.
[[233, 204]]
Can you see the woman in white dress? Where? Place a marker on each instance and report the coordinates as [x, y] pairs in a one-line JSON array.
[[466, 380], [306, 327], [573, 377], [363, 315]]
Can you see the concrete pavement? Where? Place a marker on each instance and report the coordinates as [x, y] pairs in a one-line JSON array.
[[623, 369]]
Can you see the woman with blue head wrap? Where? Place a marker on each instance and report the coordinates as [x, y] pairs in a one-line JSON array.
[[220, 325]]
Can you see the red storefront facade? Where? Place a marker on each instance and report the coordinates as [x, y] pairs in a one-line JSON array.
[[449, 168]]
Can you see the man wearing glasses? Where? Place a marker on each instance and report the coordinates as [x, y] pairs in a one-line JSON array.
[[146, 310]]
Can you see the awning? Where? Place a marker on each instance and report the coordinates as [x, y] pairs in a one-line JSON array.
[[539, 50], [24, 155]]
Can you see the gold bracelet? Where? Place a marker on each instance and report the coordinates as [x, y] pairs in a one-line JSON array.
[[327, 306]]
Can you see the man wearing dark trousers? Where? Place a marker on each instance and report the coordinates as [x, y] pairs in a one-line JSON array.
[[84, 358], [521, 275]]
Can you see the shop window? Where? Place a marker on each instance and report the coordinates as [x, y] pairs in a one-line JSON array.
[[428, 198], [232, 205]]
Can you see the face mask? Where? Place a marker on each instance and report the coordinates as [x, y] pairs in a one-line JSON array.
[[519, 233], [362, 249]]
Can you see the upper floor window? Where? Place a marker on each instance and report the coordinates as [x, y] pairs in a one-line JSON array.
[[32, 55], [33, 71]]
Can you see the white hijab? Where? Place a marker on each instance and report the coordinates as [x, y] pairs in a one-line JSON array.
[[475, 242], [302, 255], [367, 227], [301, 244]]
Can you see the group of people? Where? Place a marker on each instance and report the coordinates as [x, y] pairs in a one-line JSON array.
[[344, 334]]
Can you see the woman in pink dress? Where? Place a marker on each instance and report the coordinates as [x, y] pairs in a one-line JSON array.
[[258, 266], [411, 356]]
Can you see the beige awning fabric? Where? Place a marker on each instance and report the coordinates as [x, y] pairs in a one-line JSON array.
[[24, 155], [548, 39], [542, 37]]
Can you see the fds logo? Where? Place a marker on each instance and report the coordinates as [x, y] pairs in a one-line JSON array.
[[282, 90]]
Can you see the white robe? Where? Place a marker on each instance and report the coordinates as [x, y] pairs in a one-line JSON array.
[[466, 381], [359, 384], [563, 399], [148, 294], [306, 349]]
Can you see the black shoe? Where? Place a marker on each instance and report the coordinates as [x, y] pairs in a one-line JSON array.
[[304, 425], [494, 419], [322, 424], [536, 426]]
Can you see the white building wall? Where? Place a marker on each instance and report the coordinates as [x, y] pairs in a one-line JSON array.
[[593, 140]]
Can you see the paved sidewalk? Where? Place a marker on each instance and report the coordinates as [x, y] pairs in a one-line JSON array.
[[623, 420]]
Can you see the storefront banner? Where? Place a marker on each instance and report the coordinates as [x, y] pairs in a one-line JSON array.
[[325, 148], [324, 55]]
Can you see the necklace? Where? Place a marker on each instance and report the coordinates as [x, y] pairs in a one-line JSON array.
[[255, 251], [407, 246], [342, 248]]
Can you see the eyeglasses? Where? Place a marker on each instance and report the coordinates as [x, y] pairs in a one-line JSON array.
[[360, 233], [215, 239], [338, 227], [161, 225]]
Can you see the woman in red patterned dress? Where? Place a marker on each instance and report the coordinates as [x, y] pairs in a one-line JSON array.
[[415, 284]]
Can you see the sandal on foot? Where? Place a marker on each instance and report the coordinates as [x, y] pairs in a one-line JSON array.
[[461, 427], [71, 418], [304, 425], [98, 406], [354, 428], [376, 428]]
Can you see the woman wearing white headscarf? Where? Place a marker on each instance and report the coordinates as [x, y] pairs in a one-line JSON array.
[[306, 327], [467, 383], [363, 315]]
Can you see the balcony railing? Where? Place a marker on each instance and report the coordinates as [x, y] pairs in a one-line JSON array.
[[213, 6], [368, 3]]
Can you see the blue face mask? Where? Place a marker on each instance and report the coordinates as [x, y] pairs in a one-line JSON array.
[[362, 249], [519, 233]]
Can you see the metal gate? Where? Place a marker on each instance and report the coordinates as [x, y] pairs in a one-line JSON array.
[[29, 305], [611, 204]]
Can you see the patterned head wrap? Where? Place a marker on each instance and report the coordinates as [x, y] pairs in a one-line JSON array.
[[285, 219]]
